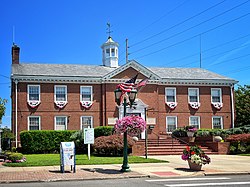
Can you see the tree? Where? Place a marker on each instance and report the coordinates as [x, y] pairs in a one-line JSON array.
[[242, 105], [2, 107]]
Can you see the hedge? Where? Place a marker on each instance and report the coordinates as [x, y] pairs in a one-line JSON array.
[[103, 131], [43, 141]]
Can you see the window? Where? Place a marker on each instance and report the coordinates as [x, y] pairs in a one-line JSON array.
[[107, 52], [61, 123], [193, 94], [171, 123], [34, 123], [217, 122], [86, 93], [60, 93], [170, 94], [112, 52], [86, 121], [33, 92], [194, 121], [216, 95]]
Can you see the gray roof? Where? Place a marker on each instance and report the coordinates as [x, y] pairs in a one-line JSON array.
[[95, 71], [187, 73], [65, 70]]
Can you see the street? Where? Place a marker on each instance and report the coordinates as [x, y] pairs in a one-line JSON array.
[[218, 181]]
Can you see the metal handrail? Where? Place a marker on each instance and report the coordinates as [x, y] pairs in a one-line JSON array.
[[158, 137], [173, 136]]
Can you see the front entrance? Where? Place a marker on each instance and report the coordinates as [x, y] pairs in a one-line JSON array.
[[138, 108]]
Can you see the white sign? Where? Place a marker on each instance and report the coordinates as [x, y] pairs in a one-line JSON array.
[[89, 137], [67, 153]]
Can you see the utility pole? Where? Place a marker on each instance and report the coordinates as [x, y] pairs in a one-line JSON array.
[[126, 51], [200, 52]]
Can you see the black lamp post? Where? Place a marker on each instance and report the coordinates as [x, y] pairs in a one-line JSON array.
[[131, 95]]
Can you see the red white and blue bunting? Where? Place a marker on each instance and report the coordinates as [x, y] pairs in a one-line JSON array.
[[86, 104], [61, 104], [33, 104], [194, 105], [172, 105], [217, 105]]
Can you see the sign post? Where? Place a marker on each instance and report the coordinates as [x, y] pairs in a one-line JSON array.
[[67, 156], [89, 138]]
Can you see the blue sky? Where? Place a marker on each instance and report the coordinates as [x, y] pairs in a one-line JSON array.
[[161, 33]]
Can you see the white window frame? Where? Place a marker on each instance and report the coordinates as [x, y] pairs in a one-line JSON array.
[[199, 121], [221, 121], [66, 122], [91, 121], [39, 122], [198, 95], [175, 117], [39, 92], [91, 92], [170, 88], [220, 95], [66, 93]]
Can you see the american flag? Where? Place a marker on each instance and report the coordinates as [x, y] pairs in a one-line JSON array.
[[129, 85]]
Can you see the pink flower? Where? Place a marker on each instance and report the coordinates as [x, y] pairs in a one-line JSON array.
[[133, 125]]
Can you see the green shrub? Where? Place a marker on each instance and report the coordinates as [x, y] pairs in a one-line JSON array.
[[15, 157], [111, 145], [78, 138], [179, 132], [103, 131], [203, 132], [43, 141]]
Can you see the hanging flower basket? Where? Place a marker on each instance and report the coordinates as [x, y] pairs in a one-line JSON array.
[[133, 125]]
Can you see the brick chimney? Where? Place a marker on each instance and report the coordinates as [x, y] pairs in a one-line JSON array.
[[15, 54]]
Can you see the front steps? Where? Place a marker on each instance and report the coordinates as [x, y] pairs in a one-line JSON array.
[[169, 146]]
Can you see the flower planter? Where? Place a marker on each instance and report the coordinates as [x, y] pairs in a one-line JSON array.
[[190, 134], [191, 139], [193, 166]]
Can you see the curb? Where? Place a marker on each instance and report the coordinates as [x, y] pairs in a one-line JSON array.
[[73, 179], [228, 173]]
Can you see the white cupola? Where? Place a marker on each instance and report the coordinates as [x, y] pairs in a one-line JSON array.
[[110, 53]]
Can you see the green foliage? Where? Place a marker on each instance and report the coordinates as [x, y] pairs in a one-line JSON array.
[[15, 157], [78, 138], [111, 145], [43, 141], [103, 131], [6, 138], [239, 143], [54, 160], [242, 105], [179, 132], [2, 107], [203, 132]]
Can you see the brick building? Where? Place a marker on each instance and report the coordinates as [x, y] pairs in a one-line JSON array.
[[67, 96]]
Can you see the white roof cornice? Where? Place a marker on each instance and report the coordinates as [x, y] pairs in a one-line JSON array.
[[135, 65]]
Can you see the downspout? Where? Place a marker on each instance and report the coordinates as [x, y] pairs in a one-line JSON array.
[[16, 82], [232, 104]]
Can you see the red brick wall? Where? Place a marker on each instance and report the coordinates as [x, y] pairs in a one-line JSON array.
[[104, 106]]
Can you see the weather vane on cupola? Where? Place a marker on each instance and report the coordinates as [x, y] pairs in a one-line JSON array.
[[108, 29]]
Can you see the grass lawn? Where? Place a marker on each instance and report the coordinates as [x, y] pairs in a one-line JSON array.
[[54, 159], [245, 154]]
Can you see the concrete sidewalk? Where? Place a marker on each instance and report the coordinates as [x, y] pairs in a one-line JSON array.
[[220, 165]]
